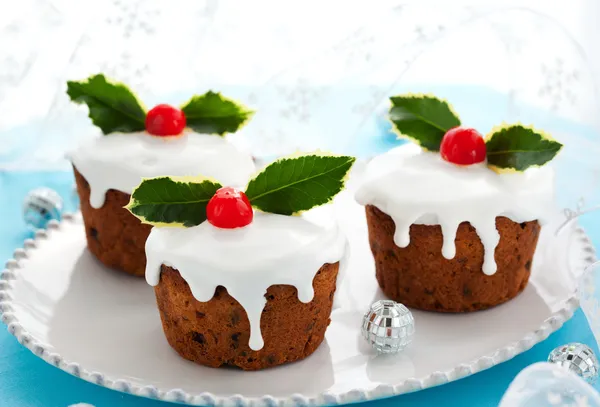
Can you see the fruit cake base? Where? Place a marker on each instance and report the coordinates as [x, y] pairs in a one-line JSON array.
[[216, 333], [114, 235], [419, 276]]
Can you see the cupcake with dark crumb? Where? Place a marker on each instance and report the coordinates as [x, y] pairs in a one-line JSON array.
[[235, 287], [454, 221], [137, 144]]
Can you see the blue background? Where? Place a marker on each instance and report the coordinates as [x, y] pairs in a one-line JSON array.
[[26, 381]]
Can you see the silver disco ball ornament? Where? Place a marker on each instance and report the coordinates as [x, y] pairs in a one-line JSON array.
[[578, 358], [388, 326], [40, 206]]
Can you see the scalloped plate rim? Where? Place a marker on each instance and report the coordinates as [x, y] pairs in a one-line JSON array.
[[382, 391]]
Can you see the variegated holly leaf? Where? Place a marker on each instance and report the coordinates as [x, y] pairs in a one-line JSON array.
[[422, 118], [172, 201], [292, 185], [112, 106], [518, 147], [212, 113]]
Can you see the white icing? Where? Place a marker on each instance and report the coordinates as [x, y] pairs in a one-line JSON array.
[[417, 187], [273, 249], [120, 161]]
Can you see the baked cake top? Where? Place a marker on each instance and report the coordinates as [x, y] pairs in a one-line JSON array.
[[213, 237], [139, 143], [451, 174]]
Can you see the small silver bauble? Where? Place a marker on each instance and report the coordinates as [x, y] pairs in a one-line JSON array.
[[578, 358], [40, 206], [388, 326]]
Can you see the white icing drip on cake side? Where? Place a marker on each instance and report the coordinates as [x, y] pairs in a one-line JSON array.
[[120, 161], [273, 249], [413, 186]]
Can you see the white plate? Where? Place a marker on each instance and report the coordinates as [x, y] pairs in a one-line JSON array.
[[104, 327]]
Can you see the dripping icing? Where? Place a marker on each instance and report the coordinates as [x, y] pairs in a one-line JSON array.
[[273, 249], [413, 186], [120, 161]]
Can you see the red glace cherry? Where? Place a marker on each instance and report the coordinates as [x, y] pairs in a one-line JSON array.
[[229, 208], [165, 120], [463, 146]]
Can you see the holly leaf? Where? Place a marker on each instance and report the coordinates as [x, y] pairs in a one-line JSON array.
[[518, 147], [172, 201], [112, 106], [292, 185], [422, 118], [213, 113]]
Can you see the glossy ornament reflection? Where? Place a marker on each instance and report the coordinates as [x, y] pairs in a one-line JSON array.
[[388, 326], [549, 385], [40, 206], [577, 358]]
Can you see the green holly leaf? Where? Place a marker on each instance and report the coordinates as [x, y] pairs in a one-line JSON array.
[[422, 118], [518, 147], [172, 201], [113, 107], [292, 185], [213, 113]]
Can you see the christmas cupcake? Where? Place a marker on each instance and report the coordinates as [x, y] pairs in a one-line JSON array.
[[236, 287], [139, 144], [454, 220]]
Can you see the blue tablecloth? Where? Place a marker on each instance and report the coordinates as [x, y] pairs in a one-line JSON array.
[[26, 381]]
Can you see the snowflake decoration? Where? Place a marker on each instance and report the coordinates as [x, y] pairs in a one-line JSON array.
[[300, 99], [558, 83]]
